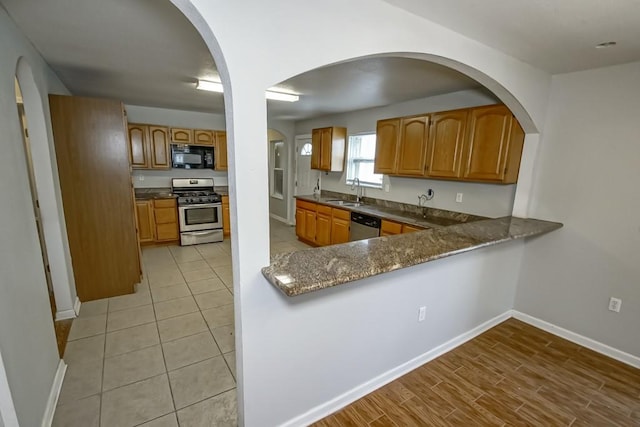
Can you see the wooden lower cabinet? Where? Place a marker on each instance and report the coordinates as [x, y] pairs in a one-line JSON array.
[[157, 221], [323, 225], [340, 222], [144, 209], [226, 216], [390, 228], [165, 212], [306, 221]]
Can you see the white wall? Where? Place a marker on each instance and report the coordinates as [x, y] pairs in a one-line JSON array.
[[287, 350], [588, 177], [27, 340], [480, 199]]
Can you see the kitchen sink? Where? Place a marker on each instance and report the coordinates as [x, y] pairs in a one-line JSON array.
[[347, 203]]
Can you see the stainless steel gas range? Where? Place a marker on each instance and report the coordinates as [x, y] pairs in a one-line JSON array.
[[199, 211]]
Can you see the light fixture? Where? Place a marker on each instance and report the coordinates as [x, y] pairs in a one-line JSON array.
[[270, 94], [209, 86], [605, 45]]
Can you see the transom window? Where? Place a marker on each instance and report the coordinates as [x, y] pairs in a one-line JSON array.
[[306, 149], [360, 159]]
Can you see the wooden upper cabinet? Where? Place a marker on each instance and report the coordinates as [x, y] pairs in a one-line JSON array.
[[387, 135], [204, 137], [494, 145], [414, 133], [316, 143], [159, 147], [220, 153], [182, 135], [139, 146], [445, 148], [328, 146]]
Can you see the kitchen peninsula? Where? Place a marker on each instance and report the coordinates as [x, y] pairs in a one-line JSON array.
[[314, 269]]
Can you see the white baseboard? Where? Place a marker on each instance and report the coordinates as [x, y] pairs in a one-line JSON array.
[[589, 343], [69, 314], [52, 402], [279, 218], [339, 402], [76, 306]]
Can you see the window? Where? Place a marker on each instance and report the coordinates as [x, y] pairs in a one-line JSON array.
[[277, 162], [362, 153], [306, 150]]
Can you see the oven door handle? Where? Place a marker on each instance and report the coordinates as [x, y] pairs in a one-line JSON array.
[[200, 233]]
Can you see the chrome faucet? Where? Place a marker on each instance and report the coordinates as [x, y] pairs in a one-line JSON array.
[[356, 184]]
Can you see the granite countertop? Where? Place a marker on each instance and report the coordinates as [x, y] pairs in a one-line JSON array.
[[409, 214], [154, 193], [313, 269]]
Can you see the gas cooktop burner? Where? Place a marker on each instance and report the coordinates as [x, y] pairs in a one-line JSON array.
[[194, 191]]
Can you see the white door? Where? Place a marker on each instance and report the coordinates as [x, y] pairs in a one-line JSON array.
[[306, 178]]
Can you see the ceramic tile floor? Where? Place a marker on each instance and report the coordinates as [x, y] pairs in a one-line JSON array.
[[163, 356]]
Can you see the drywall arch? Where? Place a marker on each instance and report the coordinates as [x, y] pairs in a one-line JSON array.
[[304, 36], [53, 222]]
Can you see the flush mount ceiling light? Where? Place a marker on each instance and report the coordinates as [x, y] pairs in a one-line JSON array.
[[604, 45], [270, 94]]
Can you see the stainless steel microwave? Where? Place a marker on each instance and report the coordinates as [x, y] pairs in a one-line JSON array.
[[191, 157]]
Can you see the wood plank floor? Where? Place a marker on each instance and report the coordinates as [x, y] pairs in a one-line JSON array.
[[513, 374]]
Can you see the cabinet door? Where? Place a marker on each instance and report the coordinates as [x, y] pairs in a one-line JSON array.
[[487, 143], [410, 228], [326, 148], [310, 226], [301, 222], [139, 146], [159, 143], [182, 136], [316, 148], [226, 216], [414, 132], [389, 228], [323, 230], [144, 210], [203, 137], [387, 134], [339, 231], [445, 148], [220, 153]]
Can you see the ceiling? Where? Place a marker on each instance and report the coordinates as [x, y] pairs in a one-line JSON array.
[[558, 36], [145, 52]]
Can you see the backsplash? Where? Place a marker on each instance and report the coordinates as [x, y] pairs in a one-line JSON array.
[[162, 178]]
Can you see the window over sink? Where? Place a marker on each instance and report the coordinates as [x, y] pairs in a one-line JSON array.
[[360, 160]]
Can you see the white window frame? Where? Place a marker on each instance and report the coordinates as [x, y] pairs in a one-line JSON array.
[[353, 163], [274, 175]]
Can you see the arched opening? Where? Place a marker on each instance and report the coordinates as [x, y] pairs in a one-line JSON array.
[[44, 185], [431, 95]]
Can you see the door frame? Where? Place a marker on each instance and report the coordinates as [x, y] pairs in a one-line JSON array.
[[294, 159]]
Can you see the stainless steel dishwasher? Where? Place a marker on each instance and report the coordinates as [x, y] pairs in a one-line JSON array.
[[363, 227]]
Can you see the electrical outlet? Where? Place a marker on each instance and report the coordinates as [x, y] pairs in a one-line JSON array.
[[615, 304], [459, 198], [422, 313], [386, 188], [140, 177]]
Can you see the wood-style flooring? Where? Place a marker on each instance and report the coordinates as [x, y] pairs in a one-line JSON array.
[[513, 374], [62, 328]]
